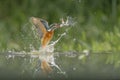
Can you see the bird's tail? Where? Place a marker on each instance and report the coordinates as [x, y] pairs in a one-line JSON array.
[[45, 66]]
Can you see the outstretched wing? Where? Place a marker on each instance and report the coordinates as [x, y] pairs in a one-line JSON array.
[[41, 28], [45, 23]]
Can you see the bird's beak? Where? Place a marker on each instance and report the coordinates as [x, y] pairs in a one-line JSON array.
[[57, 25]]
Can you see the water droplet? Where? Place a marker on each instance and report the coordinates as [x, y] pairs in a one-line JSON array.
[[9, 51], [86, 52], [74, 68], [81, 56], [74, 39], [9, 56]]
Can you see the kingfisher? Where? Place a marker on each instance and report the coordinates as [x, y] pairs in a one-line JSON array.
[[46, 33]]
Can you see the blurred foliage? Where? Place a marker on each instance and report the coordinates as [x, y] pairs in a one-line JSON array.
[[96, 29], [97, 24]]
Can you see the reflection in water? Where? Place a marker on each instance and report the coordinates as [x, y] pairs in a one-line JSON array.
[[36, 56], [46, 33], [65, 65], [27, 65], [46, 54]]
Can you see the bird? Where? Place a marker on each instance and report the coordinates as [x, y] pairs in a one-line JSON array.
[[46, 33]]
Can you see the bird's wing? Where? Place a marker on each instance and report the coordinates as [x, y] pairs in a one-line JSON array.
[[45, 23], [39, 25]]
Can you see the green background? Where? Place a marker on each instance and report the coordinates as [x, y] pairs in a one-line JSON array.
[[97, 23], [97, 30]]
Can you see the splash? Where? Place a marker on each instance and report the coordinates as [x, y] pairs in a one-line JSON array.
[[69, 22], [47, 53], [41, 54]]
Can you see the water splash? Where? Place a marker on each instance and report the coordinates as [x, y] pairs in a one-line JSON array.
[[41, 54], [69, 22], [48, 54]]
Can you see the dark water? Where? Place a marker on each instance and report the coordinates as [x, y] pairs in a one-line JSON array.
[[74, 66]]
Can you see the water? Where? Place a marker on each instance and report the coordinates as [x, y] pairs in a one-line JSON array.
[[31, 61], [65, 65]]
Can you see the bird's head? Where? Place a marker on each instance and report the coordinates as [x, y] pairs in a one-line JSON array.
[[54, 26]]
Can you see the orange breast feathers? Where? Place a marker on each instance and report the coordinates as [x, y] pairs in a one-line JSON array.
[[46, 38]]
